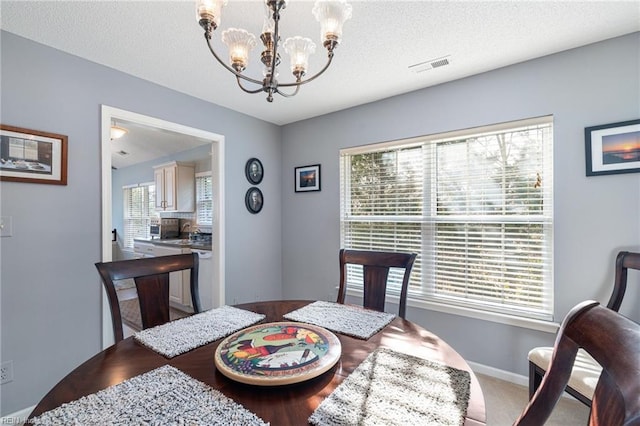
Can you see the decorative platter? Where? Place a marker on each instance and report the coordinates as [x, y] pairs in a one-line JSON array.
[[277, 353]]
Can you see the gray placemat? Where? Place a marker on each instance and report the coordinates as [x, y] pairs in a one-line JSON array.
[[390, 388], [176, 337], [346, 319], [164, 396]]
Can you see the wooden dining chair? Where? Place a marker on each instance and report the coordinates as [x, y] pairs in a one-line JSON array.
[[586, 371], [375, 265], [151, 277], [614, 342]]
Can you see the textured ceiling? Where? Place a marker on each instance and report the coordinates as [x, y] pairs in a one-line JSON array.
[[160, 41]]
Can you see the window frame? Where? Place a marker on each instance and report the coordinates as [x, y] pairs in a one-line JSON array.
[[544, 321]]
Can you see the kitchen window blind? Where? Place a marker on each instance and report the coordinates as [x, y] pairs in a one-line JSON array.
[[475, 205], [204, 199], [139, 207]]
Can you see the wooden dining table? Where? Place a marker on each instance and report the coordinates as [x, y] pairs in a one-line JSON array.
[[287, 405]]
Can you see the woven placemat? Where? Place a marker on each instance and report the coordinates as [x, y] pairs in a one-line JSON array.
[[390, 388], [164, 396], [177, 337], [346, 319]]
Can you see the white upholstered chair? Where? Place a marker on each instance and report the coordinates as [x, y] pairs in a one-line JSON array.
[[598, 331], [586, 371]]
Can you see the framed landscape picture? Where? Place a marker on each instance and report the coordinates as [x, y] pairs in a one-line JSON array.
[[307, 178], [32, 156], [613, 148]]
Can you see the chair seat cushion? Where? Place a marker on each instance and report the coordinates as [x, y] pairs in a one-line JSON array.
[[584, 375]]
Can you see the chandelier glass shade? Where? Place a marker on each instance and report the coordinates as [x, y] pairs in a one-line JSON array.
[[330, 13]]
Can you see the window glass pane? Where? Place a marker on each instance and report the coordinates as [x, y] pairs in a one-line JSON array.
[[204, 200], [493, 174], [377, 180], [139, 207]]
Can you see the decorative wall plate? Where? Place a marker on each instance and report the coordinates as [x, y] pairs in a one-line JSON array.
[[277, 353]]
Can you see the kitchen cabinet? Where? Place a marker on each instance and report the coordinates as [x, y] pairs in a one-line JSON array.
[[179, 288], [175, 186]]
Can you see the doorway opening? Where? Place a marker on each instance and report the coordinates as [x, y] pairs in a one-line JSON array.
[[109, 115]]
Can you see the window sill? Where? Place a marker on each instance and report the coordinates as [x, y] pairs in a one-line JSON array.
[[532, 324]]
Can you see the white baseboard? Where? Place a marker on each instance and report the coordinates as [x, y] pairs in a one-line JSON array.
[[507, 376], [17, 418]]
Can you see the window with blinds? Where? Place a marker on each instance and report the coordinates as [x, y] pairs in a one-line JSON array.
[[475, 205], [139, 207], [204, 199]]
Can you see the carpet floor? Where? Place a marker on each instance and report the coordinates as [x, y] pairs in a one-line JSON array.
[[505, 401], [130, 311]]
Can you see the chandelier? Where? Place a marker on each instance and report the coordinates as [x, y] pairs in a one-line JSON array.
[[330, 13]]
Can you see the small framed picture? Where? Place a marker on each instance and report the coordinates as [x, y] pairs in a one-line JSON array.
[[307, 178], [613, 148], [254, 171], [32, 156], [253, 200]]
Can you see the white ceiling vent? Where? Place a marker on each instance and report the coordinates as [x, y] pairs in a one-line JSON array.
[[430, 64]]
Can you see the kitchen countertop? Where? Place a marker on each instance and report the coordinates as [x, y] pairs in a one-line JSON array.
[[176, 242]]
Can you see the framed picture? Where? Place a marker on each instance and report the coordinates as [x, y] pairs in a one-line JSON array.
[[254, 171], [253, 200], [32, 156], [307, 178], [613, 148]]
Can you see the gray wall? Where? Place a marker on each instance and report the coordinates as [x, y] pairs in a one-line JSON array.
[[50, 292], [595, 217]]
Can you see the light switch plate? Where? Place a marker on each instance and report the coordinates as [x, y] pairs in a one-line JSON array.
[[6, 226], [6, 372]]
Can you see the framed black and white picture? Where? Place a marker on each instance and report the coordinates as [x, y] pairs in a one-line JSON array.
[[613, 148], [254, 200], [32, 156], [307, 178], [254, 171]]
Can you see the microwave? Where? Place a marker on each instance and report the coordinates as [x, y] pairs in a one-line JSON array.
[[163, 228]]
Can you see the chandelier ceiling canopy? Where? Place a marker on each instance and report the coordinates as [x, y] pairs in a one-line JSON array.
[[330, 13]]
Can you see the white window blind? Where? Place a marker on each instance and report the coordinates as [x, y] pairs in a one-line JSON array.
[[204, 199], [139, 207], [476, 206]]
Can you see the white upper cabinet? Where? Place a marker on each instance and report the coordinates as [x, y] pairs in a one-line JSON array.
[[175, 186]]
